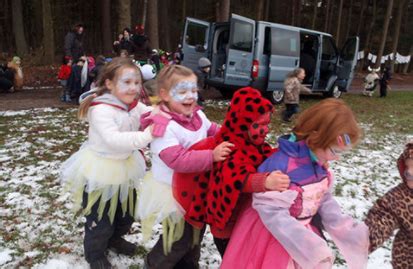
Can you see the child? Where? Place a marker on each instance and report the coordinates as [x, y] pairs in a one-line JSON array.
[[204, 66], [77, 80], [394, 211], [275, 232], [218, 196], [63, 77], [185, 124], [106, 170], [293, 88]]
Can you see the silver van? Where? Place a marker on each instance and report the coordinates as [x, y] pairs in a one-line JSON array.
[[245, 52]]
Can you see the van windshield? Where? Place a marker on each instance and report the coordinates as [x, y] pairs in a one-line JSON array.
[[242, 36]]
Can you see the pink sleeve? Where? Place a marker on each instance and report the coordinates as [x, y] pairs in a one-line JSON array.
[[187, 161], [213, 129]]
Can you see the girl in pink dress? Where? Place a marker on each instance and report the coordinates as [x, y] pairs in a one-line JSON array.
[[275, 231]]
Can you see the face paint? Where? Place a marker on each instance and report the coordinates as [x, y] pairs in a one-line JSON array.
[[343, 145], [184, 90], [128, 82], [259, 129]]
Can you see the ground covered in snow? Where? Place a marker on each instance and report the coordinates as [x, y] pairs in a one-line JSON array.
[[39, 230]]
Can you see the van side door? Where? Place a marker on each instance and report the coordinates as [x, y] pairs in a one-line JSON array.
[[285, 55], [347, 63], [194, 42], [238, 66]]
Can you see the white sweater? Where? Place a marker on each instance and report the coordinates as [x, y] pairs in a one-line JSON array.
[[113, 132]]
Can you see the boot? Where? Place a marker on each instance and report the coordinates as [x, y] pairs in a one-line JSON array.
[[121, 246], [101, 264]]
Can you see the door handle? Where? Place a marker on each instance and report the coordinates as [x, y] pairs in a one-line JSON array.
[[296, 63], [231, 63], [244, 54]]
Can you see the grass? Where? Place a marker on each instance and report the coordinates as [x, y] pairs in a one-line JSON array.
[[33, 145]]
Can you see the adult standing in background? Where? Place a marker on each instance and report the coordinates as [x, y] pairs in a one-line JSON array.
[[125, 43], [74, 43]]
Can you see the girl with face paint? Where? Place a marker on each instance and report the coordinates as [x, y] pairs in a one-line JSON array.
[[104, 174], [184, 124], [276, 230], [394, 211]]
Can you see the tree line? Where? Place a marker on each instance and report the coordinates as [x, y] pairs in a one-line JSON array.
[[35, 29]]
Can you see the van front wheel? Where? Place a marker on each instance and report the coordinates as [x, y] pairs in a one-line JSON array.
[[334, 92], [276, 97]]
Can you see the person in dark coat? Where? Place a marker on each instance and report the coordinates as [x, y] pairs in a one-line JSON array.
[[384, 80], [141, 41], [74, 42], [6, 78], [125, 43]]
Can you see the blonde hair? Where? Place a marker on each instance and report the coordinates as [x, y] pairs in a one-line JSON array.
[[109, 72], [168, 76], [295, 72], [321, 124]]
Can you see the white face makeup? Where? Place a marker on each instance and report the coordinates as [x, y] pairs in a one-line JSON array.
[[184, 90], [128, 82]]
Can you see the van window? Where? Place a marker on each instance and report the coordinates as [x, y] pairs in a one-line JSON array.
[[196, 34], [267, 41], [242, 36], [328, 49], [285, 42]]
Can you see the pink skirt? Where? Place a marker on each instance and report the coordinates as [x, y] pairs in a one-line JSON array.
[[253, 246]]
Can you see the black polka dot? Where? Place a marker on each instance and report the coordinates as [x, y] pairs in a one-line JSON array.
[[196, 178], [238, 185], [235, 101], [214, 204], [255, 126], [228, 188], [231, 165], [197, 208], [261, 110], [215, 194], [203, 185], [254, 137], [249, 120], [243, 127], [248, 99], [227, 200], [249, 108], [220, 214], [257, 100], [253, 158], [233, 114], [223, 208], [242, 92], [203, 195], [184, 194], [228, 124]]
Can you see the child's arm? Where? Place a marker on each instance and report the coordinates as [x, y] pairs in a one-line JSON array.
[[183, 160], [307, 248], [350, 236], [381, 222], [102, 120]]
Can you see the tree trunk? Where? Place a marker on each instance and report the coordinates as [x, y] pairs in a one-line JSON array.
[[124, 18], [106, 27], [396, 35], [48, 35], [153, 23], [327, 17], [363, 6], [222, 10], [267, 10], [298, 10], [144, 12], [164, 27], [350, 13], [371, 26], [260, 10], [18, 28], [385, 28], [313, 23], [340, 11], [406, 66]]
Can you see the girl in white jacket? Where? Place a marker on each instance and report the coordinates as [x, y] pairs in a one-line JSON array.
[[105, 173]]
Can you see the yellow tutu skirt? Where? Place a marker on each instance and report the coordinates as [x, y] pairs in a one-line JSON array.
[[103, 179], [156, 204]]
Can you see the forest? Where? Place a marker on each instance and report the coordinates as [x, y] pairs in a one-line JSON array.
[[35, 29]]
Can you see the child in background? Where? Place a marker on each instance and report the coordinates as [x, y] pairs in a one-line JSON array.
[[104, 174], [184, 125], [394, 211], [63, 77], [96, 70], [275, 232], [204, 66], [218, 196], [292, 89], [77, 80]]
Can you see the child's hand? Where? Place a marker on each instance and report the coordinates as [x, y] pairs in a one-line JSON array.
[[222, 151], [277, 181]]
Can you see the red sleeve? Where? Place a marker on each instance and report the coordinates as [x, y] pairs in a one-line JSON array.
[[255, 182]]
